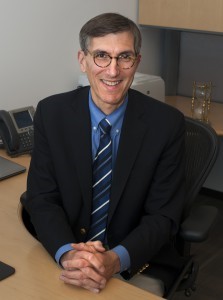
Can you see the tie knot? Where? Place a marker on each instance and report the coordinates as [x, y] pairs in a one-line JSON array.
[[105, 126]]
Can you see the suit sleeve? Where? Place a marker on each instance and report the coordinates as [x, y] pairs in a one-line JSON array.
[[164, 198], [43, 202]]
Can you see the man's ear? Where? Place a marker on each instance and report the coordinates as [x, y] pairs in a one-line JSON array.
[[139, 59], [82, 61]]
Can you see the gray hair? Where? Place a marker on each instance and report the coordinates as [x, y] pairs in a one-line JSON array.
[[107, 23]]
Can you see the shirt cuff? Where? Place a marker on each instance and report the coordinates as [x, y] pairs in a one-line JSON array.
[[123, 256], [61, 251]]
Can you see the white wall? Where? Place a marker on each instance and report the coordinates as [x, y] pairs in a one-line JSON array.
[[39, 44]]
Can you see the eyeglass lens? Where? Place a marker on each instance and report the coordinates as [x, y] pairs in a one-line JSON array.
[[123, 61]]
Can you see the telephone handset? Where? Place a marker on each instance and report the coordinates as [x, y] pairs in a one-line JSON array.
[[16, 130]]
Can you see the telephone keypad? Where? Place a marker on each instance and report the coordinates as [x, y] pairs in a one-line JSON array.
[[26, 139]]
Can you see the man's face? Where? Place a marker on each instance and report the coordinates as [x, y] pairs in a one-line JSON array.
[[109, 85]]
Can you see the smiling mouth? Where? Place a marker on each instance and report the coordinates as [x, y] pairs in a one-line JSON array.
[[111, 83]]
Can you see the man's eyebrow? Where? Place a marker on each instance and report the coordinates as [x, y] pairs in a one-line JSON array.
[[99, 51], [122, 52], [127, 52]]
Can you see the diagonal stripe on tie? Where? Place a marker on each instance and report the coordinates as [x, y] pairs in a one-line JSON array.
[[103, 178], [102, 175]]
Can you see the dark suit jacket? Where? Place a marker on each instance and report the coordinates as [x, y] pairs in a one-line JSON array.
[[148, 180]]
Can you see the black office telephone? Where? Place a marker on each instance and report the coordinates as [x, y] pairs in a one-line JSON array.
[[16, 130]]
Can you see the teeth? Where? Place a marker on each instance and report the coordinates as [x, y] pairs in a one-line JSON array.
[[111, 83]]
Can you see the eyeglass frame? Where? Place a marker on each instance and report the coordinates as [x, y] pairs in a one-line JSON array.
[[134, 59]]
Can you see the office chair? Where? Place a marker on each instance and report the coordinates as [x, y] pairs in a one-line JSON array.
[[201, 144]]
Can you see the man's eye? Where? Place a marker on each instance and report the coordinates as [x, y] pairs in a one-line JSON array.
[[125, 57], [101, 55]]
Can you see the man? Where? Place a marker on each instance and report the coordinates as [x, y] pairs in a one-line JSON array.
[[144, 189]]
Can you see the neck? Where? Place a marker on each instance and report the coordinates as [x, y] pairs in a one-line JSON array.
[[108, 109]]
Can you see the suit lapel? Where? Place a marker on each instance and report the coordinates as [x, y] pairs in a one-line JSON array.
[[132, 134]]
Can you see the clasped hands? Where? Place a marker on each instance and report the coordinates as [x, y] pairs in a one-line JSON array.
[[89, 265]]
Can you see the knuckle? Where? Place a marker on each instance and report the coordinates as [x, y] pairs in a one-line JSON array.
[[90, 256], [78, 283], [82, 276], [87, 271], [85, 281], [80, 264]]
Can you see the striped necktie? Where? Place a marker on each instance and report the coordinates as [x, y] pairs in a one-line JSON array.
[[102, 175]]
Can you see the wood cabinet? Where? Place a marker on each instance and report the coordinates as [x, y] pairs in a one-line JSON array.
[[205, 15]]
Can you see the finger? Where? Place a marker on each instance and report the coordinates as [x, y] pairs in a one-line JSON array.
[[94, 275], [83, 274], [84, 247], [75, 263], [77, 282], [90, 246], [91, 258], [97, 245], [82, 279]]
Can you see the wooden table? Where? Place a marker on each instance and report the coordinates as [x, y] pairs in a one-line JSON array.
[[215, 114], [37, 275]]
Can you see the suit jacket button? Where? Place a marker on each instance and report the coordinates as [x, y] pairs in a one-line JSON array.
[[83, 231]]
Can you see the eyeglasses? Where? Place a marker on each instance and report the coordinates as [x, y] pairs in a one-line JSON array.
[[103, 59]]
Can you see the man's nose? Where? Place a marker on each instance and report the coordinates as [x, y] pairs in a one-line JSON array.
[[113, 69]]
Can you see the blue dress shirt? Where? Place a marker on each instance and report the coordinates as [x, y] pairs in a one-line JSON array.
[[115, 119]]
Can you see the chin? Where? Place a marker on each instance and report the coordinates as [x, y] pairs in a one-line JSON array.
[[113, 100], [114, 97]]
